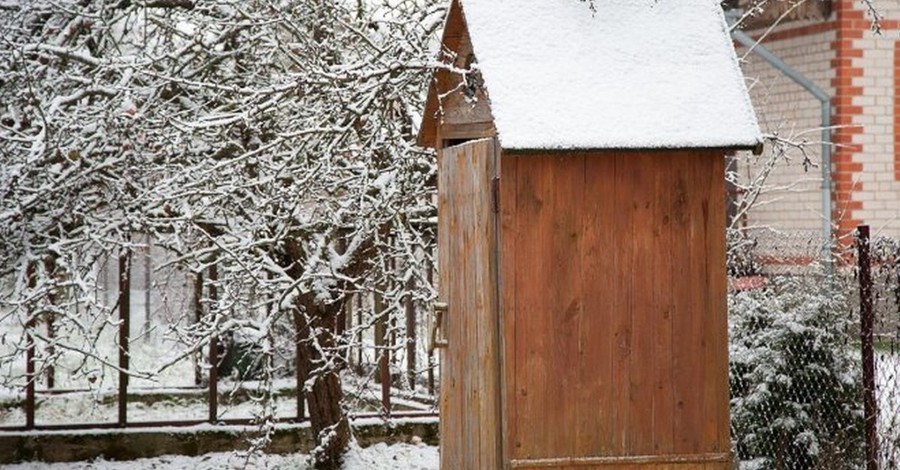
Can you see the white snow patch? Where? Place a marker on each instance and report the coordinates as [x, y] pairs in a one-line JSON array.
[[416, 456], [638, 74]]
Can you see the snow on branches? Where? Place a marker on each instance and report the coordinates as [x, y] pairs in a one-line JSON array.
[[273, 138]]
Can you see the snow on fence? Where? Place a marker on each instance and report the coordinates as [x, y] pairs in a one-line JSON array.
[[140, 367], [883, 353], [815, 368]]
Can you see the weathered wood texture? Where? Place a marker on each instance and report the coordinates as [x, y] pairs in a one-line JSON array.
[[460, 110], [470, 408], [613, 306]]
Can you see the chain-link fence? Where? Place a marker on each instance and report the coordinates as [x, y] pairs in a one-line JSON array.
[[885, 297], [799, 355]]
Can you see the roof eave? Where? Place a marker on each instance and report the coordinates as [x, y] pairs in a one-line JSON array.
[[756, 147]]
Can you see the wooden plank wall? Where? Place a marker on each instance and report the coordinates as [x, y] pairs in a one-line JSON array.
[[613, 307], [470, 400]]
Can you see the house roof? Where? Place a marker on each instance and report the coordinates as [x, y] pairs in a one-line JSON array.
[[634, 74]]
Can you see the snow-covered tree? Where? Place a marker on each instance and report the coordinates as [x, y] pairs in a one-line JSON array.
[[270, 138], [795, 396]]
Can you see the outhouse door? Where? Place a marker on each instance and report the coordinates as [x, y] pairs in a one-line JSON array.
[[467, 260]]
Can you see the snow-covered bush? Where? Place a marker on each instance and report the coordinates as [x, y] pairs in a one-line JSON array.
[[795, 377]]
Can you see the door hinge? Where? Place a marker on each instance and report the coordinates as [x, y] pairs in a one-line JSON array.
[[495, 193]]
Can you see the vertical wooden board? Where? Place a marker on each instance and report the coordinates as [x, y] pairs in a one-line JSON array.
[[700, 360], [509, 229], [450, 398], [532, 343], [717, 322], [641, 173], [622, 252], [460, 311], [703, 317], [456, 324], [548, 297], [471, 437], [663, 438], [486, 358], [566, 308], [710, 227], [685, 351], [594, 435], [445, 425]]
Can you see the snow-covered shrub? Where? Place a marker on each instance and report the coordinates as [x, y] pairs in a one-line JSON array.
[[742, 260], [795, 377]]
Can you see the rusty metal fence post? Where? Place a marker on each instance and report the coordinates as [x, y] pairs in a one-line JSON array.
[[51, 350], [411, 343], [384, 359], [198, 318], [301, 372], [867, 321], [124, 327], [29, 353], [213, 347]]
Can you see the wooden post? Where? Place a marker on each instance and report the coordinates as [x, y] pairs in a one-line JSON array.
[[867, 320], [29, 352], [213, 396], [198, 317], [124, 326]]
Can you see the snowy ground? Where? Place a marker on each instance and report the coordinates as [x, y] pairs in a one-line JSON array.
[[148, 352], [187, 404], [377, 457]]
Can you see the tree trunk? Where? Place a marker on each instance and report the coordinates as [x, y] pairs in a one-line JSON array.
[[327, 418]]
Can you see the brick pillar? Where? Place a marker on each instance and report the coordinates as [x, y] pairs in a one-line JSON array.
[[851, 25], [897, 111]]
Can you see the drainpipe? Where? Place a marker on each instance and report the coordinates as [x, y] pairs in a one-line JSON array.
[[825, 100]]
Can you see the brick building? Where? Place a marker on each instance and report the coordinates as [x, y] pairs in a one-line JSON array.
[[833, 44]]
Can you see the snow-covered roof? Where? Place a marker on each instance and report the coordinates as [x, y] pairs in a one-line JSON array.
[[635, 74]]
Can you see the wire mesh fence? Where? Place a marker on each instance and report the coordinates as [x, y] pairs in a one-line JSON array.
[[799, 354], [885, 297], [193, 352]]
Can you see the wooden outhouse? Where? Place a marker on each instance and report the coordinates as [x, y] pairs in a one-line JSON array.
[[581, 214]]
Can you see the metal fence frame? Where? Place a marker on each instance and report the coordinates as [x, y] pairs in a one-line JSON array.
[[383, 363]]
